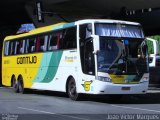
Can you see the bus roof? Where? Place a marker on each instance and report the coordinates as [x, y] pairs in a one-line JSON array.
[[106, 21], [36, 31], [65, 25]]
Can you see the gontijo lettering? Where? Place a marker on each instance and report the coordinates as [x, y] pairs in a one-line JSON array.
[[27, 60]]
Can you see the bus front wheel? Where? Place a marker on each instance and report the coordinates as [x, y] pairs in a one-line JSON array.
[[72, 91]]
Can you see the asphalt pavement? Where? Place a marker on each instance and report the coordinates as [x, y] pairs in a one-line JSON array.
[[45, 105]]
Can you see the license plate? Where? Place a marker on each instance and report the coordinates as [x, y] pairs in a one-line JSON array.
[[125, 88]]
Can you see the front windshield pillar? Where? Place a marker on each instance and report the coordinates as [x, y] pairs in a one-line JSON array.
[[96, 47]]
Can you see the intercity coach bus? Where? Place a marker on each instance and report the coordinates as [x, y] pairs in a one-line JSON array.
[[91, 56]]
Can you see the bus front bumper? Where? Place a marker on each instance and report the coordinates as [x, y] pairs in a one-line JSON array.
[[99, 87]]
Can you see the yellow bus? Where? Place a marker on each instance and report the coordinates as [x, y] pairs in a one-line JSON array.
[[91, 56]]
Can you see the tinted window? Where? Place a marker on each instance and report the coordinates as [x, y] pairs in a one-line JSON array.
[[6, 47], [30, 45], [64, 39], [11, 48], [54, 41], [69, 38], [41, 43]]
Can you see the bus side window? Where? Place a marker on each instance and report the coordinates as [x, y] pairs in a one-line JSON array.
[[54, 40], [41, 43], [38, 42], [22, 45], [26, 46], [6, 48], [11, 48], [31, 45], [85, 31], [69, 38], [18, 46], [45, 42]]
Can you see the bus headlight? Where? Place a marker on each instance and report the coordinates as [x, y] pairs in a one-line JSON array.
[[104, 79]]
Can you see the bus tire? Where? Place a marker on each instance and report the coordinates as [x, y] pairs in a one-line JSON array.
[[71, 89], [21, 85], [14, 84]]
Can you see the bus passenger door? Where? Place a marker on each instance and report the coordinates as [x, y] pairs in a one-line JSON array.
[[87, 60], [89, 63]]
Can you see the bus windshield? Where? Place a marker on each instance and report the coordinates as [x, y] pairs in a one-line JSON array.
[[122, 56]]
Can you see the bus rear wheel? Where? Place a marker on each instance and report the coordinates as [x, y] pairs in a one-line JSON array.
[[72, 91], [14, 85]]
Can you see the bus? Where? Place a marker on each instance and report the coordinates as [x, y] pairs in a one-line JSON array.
[[154, 56], [91, 56]]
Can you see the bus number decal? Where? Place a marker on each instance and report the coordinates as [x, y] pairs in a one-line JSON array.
[[27, 60], [86, 85]]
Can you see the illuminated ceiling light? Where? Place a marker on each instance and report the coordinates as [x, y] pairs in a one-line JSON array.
[[150, 9]]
